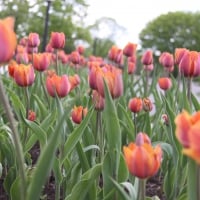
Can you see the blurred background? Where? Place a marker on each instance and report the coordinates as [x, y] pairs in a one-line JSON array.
[[97, 25]]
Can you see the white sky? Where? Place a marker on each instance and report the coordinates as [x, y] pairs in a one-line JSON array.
[[135, 14]]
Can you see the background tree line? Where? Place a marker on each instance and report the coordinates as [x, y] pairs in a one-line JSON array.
[[164, 33]]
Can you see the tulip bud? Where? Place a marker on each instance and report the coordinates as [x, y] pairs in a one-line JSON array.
[[135, 104], [78, 113], [165, 83], [147, 104]]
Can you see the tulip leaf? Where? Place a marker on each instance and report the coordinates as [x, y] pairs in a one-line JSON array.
[[45, 162], [75, 136], [80, 190], [121, 191]]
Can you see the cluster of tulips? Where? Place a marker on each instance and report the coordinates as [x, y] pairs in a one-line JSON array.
[[123, 145]]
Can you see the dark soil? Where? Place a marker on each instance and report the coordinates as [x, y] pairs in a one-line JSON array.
[[153, 186]]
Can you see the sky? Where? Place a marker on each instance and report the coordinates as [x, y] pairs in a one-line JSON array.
[[133, 15]]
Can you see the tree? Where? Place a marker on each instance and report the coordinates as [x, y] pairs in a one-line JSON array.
[[65, 16], [170, 31]]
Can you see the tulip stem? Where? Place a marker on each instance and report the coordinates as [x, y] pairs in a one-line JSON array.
[[16, 139], [56, 67], [189, 86], [100, 134], [44, 90], [141, 189], [198, 182], [147, 83]]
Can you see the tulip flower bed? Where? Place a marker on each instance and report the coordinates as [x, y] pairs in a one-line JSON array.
[[75, 127]]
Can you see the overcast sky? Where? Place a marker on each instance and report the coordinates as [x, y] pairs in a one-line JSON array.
[[135, 14]]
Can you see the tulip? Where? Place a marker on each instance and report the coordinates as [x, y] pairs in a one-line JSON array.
[[74, 81], [78, 113], [41, 61], [147, 58], [165, 83], [135, 104], [33, 40], [8, 39], [75, 57], [130, 49], [166, 59], [49, 48], [11, 67], [116, 55], [179, 52], [24, 75], [142, 159], [57, 40], [57, 85], [22, 57], [98, 100], [147, 104], [31, 115], [80, 49], [190, 64], [188, 133]]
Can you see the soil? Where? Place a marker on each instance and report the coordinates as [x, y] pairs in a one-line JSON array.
[[153, 186]]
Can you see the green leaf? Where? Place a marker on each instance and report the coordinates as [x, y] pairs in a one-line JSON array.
[[75, 136], [87, 181], [121, 191], [44, 163], [192, 180], [15, 188]]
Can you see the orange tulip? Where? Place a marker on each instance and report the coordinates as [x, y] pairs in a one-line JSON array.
[[142, 159], [165, 83], [58, 85], [78, 113], [135, 104], [74, 81], [41, 61], [24, 75], [11, 67], [57, 40], [8, 40], [188, 133]]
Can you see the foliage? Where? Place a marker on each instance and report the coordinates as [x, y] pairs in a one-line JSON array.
[[170, 31]]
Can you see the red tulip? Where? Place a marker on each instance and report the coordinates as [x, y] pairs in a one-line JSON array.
[[190, 64], [165, 83], [147, 58], [135, 104], [130, 49], [33, 40], [57, 40]]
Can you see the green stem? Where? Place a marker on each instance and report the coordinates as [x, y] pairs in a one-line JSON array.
[[44, 90], [56, 67], [57, 195], [134, 122], [189, 87], [147, 83], [100, 135], [141, 189], [16, 140]]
